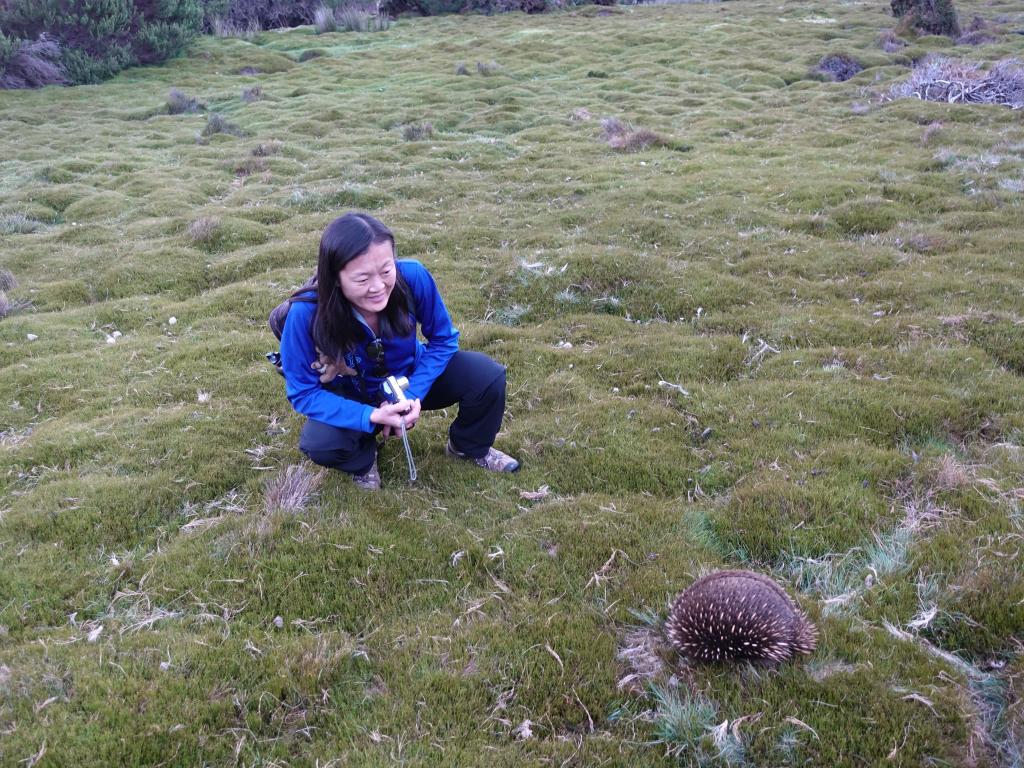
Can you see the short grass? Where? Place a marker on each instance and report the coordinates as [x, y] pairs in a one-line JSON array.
[[785, 336]]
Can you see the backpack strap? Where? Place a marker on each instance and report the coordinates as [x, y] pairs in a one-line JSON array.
[[306, 292]]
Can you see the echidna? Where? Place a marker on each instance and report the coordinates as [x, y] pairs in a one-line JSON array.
[[734, 615]]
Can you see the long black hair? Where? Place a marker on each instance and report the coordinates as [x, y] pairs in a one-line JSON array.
[[335, 329]]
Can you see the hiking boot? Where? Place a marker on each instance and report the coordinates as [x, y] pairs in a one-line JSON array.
[[493, 461], [370, 479]]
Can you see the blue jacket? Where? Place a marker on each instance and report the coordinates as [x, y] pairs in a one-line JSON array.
[[348, 401]]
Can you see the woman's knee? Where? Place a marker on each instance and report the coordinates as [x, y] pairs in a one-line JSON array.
[[490, 379], [332, 447]]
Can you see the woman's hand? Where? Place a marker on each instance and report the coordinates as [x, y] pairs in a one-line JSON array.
[[389, 416]]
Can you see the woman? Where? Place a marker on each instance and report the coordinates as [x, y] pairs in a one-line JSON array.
[[336, 353]]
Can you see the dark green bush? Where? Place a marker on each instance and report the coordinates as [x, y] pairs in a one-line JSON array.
[[930, 17], [99, 38]]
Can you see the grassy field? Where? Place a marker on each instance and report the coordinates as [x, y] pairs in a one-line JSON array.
[[785, 337]]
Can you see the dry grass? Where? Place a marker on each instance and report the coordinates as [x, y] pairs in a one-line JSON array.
[[7, 280], [639, 653], [939, 78], [324, 20], [203, 229], [417, 131], [952, 474], [293, 489], [18, 224], [226, 28]]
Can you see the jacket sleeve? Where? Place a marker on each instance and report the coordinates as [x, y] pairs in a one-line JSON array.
[[302, 383], [436, 325]]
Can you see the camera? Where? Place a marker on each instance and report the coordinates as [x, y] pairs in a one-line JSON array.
[[394, 388]]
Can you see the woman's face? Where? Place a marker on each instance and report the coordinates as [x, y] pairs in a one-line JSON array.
[[367, 281]]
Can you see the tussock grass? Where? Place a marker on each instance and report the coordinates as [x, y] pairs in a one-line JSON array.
[[225, 28], [203, 230], [216, 123], [18, 224], [293, 489], [325, 20], [794, 349], [180, 103], [417, 131]]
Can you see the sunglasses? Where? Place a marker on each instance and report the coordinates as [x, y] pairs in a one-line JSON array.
[[375, 351]]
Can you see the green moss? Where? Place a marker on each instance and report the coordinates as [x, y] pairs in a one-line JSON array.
[[868, 216], [105, 205]]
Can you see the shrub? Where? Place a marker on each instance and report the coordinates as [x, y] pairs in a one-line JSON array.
[[216, 123], [931, 17], [311, 53], [178, 103], [839, 67], [9, 306], [101, 37], [890, 42], [979, 32], [26, 64], [625, 138]]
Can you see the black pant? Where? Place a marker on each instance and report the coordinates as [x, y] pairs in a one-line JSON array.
[[472, 379]]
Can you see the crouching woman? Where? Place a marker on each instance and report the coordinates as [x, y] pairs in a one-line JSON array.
[[337, 351]]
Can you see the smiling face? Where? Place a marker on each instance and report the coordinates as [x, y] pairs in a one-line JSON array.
[[368, 279]]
